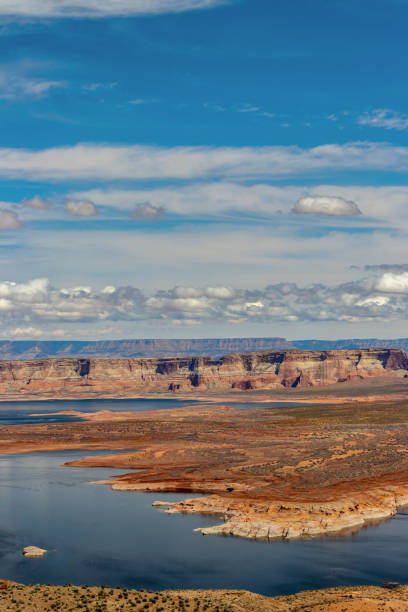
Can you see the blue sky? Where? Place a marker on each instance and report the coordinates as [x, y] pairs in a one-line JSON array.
[[175, 168]]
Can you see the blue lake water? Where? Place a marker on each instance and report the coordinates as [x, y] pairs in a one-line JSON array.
[[98, 536], [18, 413]]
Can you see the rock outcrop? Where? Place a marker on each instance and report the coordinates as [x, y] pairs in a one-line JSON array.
[[241, 371], [34, 551], [289, 520]]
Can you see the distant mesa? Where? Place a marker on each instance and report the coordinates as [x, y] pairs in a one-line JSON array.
[[130, 377], [213, 347]]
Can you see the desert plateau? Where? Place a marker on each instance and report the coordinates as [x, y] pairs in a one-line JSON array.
[[272, 446], [326, 465]]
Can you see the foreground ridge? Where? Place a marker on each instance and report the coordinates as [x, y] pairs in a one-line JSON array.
[[69, 597], [239, 371]]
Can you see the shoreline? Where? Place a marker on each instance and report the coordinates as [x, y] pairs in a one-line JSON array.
[[285, 520]]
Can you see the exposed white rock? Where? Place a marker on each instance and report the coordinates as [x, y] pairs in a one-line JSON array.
[[34, 551]]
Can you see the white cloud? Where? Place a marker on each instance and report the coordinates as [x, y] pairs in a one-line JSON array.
[[16, 85], [249, 108], [393, 283], [388, 205], [376, 300], [385, 118], [57, 333], [9, 220], [106, 163], [96, 86], [147, 211], [236, 251], [81, 208], [26, 332], [99, 8], [29, 306], [225, 199], [221, 293], [36, 203], [27, 292], [326, 205]]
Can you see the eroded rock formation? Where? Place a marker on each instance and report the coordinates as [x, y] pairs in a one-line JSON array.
[[241, 371]]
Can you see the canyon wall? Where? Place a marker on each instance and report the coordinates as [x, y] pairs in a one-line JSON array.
[[241, 371]]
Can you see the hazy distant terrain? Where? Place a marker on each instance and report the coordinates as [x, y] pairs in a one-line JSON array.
[[353, 343], [212, 347]]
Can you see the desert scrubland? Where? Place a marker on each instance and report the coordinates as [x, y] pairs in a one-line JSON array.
[[46, 598]]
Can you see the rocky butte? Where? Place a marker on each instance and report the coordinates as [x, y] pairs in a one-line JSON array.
[[241, 371]]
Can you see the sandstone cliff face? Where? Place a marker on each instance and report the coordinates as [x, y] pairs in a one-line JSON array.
[[258, 370]]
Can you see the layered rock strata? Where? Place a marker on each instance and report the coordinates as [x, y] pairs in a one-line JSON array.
[[289, 520], [241, 371]]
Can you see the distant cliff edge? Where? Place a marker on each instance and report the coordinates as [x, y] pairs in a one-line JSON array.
[[214, 347], [241, 371]]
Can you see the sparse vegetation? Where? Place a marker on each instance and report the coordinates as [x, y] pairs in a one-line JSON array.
[[68, 598]]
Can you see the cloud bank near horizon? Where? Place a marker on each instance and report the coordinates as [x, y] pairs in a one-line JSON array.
[[38, 303]]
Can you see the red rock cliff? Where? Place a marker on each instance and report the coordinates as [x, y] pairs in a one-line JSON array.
[[257, 370]]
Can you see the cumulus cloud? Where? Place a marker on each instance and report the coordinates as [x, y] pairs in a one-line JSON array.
[[26, 332], [326, 205], [223, 198], [147, 211], [137, 162], [35, 304], [385, 118], [31, 333], [36, 203], [81, 208], [393, 283], [9, 220], [99, 8]]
